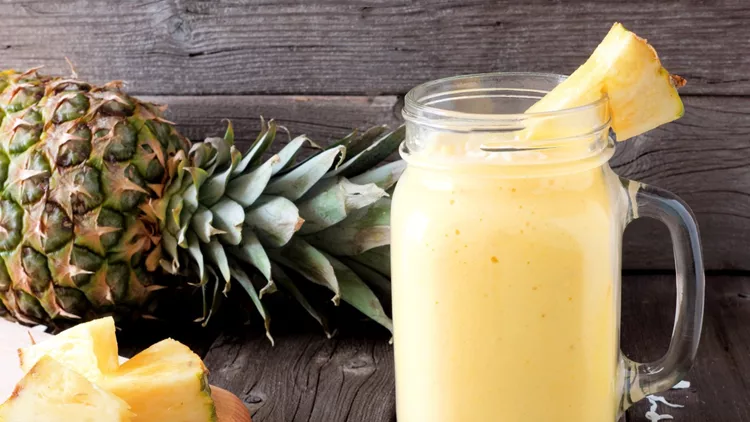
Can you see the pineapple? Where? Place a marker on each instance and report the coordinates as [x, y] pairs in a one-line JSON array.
[[166, 382], [52, 392], [642, 94], [100, 197], [89, 349]]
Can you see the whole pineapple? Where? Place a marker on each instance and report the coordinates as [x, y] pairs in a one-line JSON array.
[[100, 196]]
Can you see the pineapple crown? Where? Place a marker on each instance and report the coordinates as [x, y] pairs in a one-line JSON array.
[[287, 220]]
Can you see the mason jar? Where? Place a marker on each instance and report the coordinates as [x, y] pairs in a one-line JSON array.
[[506, 258]]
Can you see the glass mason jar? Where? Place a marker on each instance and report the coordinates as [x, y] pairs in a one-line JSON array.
[[506, 257]]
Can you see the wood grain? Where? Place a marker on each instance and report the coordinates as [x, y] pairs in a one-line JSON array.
[[360, 47], [704, 158], [306, 377], [719, 388]]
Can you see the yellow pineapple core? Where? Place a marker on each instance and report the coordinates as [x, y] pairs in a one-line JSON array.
[[642, 94], [166, 382], [52, 392], [89, 349]]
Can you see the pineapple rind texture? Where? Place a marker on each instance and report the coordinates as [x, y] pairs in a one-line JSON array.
[[52, 392], [100, 197]]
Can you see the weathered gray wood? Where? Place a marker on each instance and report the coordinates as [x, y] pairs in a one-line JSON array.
[[322, 118], [704, 157], [360, 47], [305, 377], [719, 388]]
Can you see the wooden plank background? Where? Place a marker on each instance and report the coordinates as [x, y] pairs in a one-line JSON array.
[[322, 67]]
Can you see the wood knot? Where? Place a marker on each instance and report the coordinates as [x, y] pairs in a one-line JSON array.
[[359, 366]]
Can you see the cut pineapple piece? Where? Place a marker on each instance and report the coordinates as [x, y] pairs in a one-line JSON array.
[[166, 382], [89, 349], [52, 392], [642, 94]]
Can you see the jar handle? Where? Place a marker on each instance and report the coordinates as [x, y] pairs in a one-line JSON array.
[[643, 379]]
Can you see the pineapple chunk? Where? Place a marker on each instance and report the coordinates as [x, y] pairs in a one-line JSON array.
[[166, 382], [52, 392], [642, 94], [89, 349]]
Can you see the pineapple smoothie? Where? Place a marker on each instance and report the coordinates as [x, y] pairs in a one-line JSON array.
[[506, 238], [506, 291]]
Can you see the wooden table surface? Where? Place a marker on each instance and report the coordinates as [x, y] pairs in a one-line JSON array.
[[306, 377]]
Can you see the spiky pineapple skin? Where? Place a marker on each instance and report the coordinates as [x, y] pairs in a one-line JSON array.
[[77, 162]]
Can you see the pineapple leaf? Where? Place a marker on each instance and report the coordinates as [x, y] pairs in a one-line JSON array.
[[365, 140], [169, 244], [246, 188], [190, 198], [294, 184], [199, 177], [361, 231], [223, 151], [370, 157], [355, 292], [216, 299], [213, 189], [332, 200], [229, 134], [345, 141], [194, 249], [379, 259], [256, 151], [377, 281], [289, 287], [275, 219], [173, 214], [228, 217], [214, 251], [310, 262], [201, 224], [247, 284], [252, 252], [384, 176], [288, 154]]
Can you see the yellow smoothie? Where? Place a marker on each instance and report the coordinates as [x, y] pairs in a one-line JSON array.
[[506, 290]]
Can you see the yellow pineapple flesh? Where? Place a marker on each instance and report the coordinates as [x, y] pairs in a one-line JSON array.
[[642, 94], [89, 349], [166, 382], [51, 392]]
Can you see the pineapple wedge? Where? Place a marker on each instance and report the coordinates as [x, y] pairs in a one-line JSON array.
[[52, 392], [89, 349], [642, 94], [166, 382]]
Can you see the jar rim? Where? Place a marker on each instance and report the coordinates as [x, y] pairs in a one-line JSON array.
[[419, 101]]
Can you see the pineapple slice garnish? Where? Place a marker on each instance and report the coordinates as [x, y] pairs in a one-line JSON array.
[[642, 94], [52, 392], [166, 382], [89, 349]]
